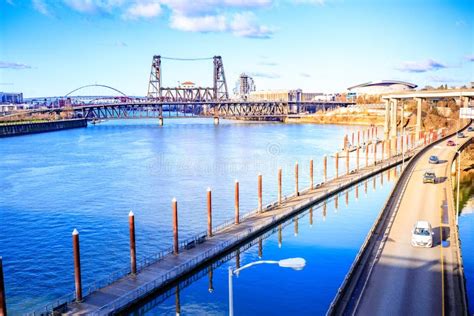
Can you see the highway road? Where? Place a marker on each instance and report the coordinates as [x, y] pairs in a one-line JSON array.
[[408, 280]]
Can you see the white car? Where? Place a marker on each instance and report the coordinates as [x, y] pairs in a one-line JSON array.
[[422, 235]]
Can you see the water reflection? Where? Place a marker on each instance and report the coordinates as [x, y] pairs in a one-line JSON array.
[[266, 290]]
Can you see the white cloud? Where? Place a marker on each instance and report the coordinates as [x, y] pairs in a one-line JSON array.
[[268, 75], [421, 66], [189, 16], [143, 9], [207, 23], [40, 6], [245, 25], [318, 2], [12, 65]]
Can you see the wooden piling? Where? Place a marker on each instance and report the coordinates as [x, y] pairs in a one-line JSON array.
[[311, 178], [358, 138], [347, 161], [279, 186], [297, 192], [77, 265], [325, 168], [209, 212], [133, 254], [357, 157], [383, 149], [237, 203], [174, 206], [337, 165], [3, 299], [375, 153], [260, 204], [367, 155]]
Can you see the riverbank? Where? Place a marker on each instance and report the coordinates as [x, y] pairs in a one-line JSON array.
[[342, 116], [20, 128]]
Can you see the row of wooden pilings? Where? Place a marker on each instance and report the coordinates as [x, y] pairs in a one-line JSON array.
[[403, 139]]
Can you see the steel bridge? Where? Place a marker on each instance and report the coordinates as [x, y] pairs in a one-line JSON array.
[[183, 101], [217, 109]]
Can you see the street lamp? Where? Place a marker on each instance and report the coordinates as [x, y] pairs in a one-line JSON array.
[[294, 263], [458, 180]]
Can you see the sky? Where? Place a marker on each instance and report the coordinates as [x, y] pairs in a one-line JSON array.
[[51, 47]]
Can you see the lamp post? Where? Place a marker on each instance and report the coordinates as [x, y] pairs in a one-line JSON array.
[[294, 263]]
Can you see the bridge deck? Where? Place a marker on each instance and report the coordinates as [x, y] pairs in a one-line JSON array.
[[406, 280], [132, 288]]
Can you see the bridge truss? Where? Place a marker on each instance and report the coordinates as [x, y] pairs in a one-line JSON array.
[[218, 92], [224, 109]]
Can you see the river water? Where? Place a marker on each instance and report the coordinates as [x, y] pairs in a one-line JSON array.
[[466, 234], [91, 178], [328, 236]]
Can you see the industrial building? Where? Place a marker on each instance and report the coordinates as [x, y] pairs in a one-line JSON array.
[[283, 95]]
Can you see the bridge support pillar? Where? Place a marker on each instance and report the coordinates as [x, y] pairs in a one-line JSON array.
[[393, 119], [386, 126], [418, 118], [402, 116], [160, 121], [465, 102], [216, 120]]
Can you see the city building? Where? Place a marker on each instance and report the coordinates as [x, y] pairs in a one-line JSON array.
[[11, 97], [379, 87], [283, 95]]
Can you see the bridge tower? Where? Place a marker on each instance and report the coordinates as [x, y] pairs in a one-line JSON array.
[[220, 85], [154, 85]]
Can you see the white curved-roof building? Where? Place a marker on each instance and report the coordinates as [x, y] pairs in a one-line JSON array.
[[381, 87]]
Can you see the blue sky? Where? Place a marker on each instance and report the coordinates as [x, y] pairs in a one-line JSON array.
[[50, 47]]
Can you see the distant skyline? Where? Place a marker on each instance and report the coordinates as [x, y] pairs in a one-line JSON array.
[[52, 47]]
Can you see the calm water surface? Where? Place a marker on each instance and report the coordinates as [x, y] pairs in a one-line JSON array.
[[91, 178], [328, 236], [466, 233]]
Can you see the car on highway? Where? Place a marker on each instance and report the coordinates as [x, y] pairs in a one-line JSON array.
[[470, 129], [429, 177], [451, 143], [433, 159], [460, 135], [422, 235]]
